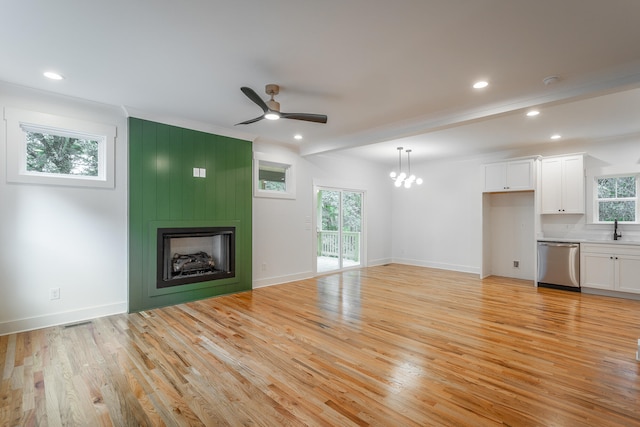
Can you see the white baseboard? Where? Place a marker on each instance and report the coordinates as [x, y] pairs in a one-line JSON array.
[[62, 318], [438, 265], [377, 262], [608, 293], [270, 281]]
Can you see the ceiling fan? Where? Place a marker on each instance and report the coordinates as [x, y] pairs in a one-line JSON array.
[[271, 108]]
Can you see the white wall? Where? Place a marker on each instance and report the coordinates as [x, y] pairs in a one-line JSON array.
[[511, 218], [70, 238], [283, 229], [439, 224]]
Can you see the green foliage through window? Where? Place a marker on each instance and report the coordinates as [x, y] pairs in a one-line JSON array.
[[617, 199], [64, 155], [330, 208]]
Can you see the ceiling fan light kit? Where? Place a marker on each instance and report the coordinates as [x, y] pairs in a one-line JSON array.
[[404, 179], [271, 108]]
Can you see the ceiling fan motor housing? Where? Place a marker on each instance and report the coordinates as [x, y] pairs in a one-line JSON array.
[[272, 89]]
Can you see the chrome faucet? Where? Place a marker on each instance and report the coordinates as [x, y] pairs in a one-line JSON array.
[[616, 234]]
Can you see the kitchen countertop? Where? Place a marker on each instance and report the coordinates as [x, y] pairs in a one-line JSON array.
[[596, 241]]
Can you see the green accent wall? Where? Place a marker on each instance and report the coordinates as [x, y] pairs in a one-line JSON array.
[[164, 193]]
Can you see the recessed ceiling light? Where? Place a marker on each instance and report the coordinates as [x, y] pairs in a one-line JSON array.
[[480, 84], [53, 75], [556, 136], [297, 136], [532, 113]]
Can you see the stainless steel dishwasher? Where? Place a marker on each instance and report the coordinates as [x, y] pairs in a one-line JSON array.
[[559, 265]]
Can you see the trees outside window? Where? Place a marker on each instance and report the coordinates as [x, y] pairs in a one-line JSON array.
[[352, 205], [55, 154], [617, 199]]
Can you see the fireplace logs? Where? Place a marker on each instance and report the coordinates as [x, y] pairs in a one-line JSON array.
[[188, 264]]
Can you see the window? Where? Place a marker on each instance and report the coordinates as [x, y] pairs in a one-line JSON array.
[[273, 177], [47, 149], [616, 198], [49, 152]]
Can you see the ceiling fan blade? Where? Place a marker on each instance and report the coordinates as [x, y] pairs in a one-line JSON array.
[[257, 119], [252, 95], [316, 118]]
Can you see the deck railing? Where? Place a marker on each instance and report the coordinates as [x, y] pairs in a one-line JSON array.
[[328, 244]]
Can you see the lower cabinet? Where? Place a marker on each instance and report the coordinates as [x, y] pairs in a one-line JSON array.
[[611, 267]]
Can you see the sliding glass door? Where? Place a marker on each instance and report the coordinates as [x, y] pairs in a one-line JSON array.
[[339, 229]]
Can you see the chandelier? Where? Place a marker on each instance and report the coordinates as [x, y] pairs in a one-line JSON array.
[[401, 178]]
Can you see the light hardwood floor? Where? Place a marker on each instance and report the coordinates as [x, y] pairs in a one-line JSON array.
[[391, 345]]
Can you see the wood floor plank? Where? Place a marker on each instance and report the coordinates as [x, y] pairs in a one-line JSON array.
[[388, 345]]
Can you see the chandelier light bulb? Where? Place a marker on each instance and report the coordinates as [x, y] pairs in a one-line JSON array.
[[401, 178]]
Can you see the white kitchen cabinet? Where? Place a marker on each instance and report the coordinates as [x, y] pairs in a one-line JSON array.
[[628, 273], [562, 185], [514, 175], [610, 267]]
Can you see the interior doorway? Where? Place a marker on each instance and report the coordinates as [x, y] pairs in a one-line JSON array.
[[339, 219]]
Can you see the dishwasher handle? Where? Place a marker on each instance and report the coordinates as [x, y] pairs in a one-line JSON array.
[[560, 245]]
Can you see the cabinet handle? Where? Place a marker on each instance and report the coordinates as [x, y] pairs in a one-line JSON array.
[[610, 257]]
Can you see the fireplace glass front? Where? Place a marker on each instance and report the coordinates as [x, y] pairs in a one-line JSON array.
[[191, 255]]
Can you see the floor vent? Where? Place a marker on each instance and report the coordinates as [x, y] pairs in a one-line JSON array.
[[73, 325]]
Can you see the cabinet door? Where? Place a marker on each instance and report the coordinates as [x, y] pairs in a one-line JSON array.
[[628, 273], [597, 271], [520, 175], [551, 186], [573, 185], [495, 177]]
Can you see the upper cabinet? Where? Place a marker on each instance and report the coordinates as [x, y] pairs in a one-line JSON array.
[[562, 185], [514, 175]]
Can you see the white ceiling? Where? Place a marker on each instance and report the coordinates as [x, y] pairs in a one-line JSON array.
[[381, 70]]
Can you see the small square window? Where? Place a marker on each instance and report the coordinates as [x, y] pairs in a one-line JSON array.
[[273, 178]]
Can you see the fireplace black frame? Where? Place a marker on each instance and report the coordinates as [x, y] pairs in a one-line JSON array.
[[163, 233]]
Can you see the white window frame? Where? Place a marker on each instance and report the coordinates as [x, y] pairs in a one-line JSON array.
[[290, 178], [595, 205], [20, 121]]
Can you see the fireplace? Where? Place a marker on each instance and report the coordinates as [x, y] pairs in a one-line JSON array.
[[192, 255]]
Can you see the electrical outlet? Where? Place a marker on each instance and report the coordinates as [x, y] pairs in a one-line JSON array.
[[264, 266], [516, 264], [54, 293]]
